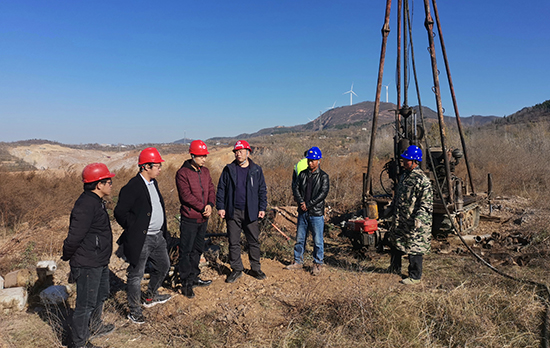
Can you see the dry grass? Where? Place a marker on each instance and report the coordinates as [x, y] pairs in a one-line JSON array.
[[460, 303]]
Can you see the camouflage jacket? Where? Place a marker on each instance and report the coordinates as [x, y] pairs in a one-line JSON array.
[[411, 231]]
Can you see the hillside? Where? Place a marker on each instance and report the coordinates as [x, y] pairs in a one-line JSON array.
[[537, 113], [358, 115]]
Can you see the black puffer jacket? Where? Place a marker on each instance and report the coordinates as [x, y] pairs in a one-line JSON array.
[[89, 243], [319, 191]]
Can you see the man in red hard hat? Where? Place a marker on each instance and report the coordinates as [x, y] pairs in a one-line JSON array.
[[141, 213], [241, 200], [197, 197], [88, 248]]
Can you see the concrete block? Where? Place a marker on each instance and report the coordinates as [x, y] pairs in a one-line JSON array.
[[18, 278], [14, 297], [54, 294]]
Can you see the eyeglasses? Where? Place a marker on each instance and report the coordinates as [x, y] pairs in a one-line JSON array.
[[157, 165], [107, 182]]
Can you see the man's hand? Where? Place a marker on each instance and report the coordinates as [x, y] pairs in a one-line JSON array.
[[261, 214], [207, 211], [303, 206], [221, 213]]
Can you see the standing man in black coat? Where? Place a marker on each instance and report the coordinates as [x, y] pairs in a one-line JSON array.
[[140, 211], [88, 248], [241, 199], [310, 190]]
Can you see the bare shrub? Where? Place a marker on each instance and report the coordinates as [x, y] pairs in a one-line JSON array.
[[35, 198], [516, 157]]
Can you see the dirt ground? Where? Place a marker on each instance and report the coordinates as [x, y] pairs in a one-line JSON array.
[[249, 303]]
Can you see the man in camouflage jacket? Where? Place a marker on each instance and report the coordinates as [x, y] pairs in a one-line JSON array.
[[411, 230]]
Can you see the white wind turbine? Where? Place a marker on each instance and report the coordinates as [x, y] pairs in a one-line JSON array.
[[351, 93], [387, 91]]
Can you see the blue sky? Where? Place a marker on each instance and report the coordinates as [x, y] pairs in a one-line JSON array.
[[154, 72]]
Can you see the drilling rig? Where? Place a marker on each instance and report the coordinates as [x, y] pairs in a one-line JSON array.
[[455, 200]]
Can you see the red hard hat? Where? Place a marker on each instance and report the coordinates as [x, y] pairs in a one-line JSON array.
[[95, 172], [198, 148], [242, 144], [149, 155]]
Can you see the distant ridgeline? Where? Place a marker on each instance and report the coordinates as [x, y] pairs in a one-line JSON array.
[[537, 113]]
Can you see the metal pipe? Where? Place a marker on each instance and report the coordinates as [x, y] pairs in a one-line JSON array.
[[429, 23], [385, 32], [455, 105]]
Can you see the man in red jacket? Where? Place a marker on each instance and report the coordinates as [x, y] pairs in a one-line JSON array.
[[197, 198]]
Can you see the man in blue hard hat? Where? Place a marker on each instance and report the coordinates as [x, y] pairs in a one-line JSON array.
[[310, 190], [412, 207]]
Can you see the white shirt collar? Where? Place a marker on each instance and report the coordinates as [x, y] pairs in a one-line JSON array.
[[147, 182]]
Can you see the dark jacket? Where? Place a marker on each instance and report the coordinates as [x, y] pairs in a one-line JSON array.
[[195, 190], [319, 191], [133, 213], [256, 190], [89, 243]]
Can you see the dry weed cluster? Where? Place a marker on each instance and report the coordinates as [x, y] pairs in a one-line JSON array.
[[461, 306]]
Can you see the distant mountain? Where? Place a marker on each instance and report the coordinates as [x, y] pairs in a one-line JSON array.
[[183, 141], [539, 112], [356, 115]]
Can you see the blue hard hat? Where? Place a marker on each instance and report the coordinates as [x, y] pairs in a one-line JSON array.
[[314, 153], [413, 153]]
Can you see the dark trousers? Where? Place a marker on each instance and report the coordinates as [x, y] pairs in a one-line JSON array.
[[415, 263], [154, 250], [92, 289], [252, 233], [191, 248]]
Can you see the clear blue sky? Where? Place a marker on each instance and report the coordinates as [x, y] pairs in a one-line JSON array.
[[156, 71]]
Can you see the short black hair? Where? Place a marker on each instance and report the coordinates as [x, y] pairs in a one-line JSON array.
[[90, 186], [142, 166]]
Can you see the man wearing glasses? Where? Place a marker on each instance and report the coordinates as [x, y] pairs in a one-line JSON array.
[[141, 213], [88, 248]]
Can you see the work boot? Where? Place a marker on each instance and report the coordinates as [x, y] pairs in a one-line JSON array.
[[316, 270], [188, 292], [233, 276], [257, 274], [295, 266], [410, 281]]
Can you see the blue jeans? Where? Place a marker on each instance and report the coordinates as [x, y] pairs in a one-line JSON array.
[[154, 249], [316, 225], [92, 289]]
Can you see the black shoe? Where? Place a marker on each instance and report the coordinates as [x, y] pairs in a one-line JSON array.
[[103, 330], [233, 276], [201, 283], [257, 274], [136, 318], [188, 292]]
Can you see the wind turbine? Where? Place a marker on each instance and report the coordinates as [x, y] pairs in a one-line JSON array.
[[387, 91], [331, 107], [351, 93]]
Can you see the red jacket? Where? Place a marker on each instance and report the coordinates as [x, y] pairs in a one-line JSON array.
[[195, 190]]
